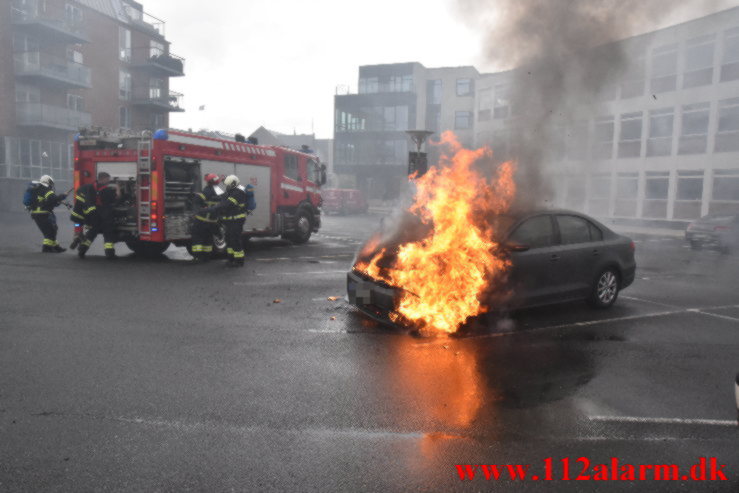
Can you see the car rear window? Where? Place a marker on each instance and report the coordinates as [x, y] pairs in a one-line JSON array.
[[535, 232]]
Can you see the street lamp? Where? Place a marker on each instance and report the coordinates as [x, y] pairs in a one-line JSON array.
[[417, 161]]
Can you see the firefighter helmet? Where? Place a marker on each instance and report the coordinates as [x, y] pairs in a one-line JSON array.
[[46, 181], [212, 178], [231, 181]]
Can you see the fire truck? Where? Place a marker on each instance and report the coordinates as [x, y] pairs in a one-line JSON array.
[[158, 172]]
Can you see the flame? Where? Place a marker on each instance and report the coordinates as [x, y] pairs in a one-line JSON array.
[[443, 274]]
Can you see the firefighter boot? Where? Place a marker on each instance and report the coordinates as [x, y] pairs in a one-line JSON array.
[[58, 248], [75, 242], [48, 246], [82, 249], [110, 252]]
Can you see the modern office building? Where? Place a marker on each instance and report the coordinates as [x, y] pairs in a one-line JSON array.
[[370, 143], [661, 145], [73, 63]]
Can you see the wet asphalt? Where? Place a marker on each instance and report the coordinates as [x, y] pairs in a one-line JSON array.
[[160, 375]]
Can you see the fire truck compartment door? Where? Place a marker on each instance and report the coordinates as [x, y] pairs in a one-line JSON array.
[[121, 171], [259, 178]]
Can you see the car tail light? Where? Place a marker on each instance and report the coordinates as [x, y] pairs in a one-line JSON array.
[[632, 245], [721, 228], [154, 214]]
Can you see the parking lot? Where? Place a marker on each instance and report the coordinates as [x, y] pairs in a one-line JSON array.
[[163, 375]]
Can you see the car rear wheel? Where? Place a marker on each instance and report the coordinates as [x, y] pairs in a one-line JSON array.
[[605, 289]]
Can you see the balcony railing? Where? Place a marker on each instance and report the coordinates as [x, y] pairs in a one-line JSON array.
[[159, 61], [50, 21], [53, 68], [44, 115], [159, 98], [142, 19]]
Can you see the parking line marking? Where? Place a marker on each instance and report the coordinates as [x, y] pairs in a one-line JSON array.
[[725, 317], [313, 272], [648, 301], [680, 421]]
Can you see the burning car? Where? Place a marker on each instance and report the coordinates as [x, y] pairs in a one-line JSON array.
[[555, 256], [460, 250]]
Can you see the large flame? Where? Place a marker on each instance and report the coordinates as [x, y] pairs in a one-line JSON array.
[[443, 275]]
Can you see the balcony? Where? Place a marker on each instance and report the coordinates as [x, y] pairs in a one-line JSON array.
[[143, 20], [47, 116], [54, 24], [158, 62], [159, 99], [51, 69]]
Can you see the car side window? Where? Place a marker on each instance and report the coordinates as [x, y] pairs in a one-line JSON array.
[[536, 232], [573, 229], [595, 233]]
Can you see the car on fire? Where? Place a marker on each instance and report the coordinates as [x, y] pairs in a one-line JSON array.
[[716, 231], [556, 256]]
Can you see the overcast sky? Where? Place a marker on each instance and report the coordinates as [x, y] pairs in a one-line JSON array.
[[277, 62]]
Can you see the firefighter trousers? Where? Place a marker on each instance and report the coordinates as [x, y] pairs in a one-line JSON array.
[[202, 238], [46, 222], [234, 246], [100, 223]]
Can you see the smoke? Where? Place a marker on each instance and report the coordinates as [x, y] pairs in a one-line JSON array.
[[562, 57]]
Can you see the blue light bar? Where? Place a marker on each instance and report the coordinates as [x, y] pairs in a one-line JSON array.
[[161, 134]]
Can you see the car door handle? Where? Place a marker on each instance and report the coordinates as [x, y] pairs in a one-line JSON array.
[[554, 257]]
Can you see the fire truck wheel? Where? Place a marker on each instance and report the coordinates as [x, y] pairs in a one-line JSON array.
[[147, 248], [303, 227]]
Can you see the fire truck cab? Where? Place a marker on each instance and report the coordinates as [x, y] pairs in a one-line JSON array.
[[157, 173]]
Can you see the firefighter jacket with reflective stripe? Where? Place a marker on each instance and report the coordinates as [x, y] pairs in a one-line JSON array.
[[201, 201], [233, 206], [91, 196], [45, 200]]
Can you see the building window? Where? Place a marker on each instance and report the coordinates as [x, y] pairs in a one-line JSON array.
[[627, 188], [699, 61], [156, 89], [349, 122], [156, 49], [501, 103], [464, 87], [632, 83], [629, 144], [158, 121], [434, 91], [124, 85], [462, 120], [400, 83], [664, 69], [694, 134], [369, 85], [730, 61], [124, 44], [395, 118], [600, 195], [660, 132], [727, 137], [725, 197], [75, 102], [689, 194], [125, 117], [657, 186], [603, 145], [73, 14], [27, 94]]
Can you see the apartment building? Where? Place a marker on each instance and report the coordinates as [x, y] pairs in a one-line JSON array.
[[73, 63]]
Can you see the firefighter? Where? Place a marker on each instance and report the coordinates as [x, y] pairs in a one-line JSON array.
[[205, 224], [42, 211], [232, 210], [100, 199]]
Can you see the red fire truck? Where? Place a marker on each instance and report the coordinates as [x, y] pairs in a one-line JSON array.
[[157, 174]]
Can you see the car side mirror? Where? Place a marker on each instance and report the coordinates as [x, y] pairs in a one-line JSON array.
[[516, 247]]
